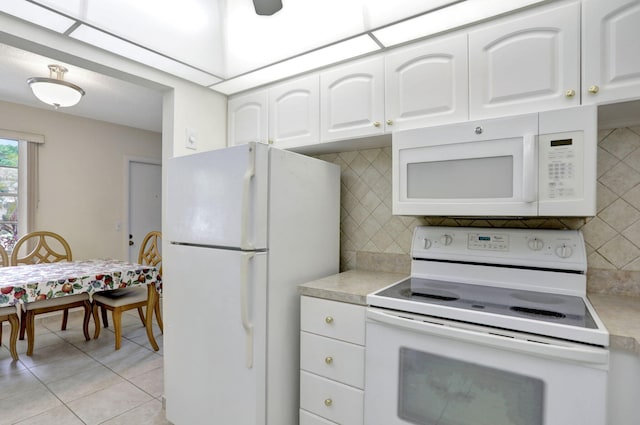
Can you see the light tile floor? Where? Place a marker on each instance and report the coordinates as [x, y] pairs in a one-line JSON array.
[[70, 381]]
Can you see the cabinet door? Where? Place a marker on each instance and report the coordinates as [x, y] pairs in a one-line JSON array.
[[611, 56], [294, 113], [427, 84], [247, 118], [525, 63], [352, 100]]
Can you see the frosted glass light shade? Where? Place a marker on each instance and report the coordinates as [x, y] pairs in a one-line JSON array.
[[55, 91]]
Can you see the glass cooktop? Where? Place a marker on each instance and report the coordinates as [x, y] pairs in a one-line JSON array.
[[542, 306]]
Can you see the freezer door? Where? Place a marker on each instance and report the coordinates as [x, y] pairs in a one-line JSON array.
[[219, 198], [215, 336]]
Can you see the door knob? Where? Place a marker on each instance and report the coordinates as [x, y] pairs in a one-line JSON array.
[[593, 89], [570, 93]]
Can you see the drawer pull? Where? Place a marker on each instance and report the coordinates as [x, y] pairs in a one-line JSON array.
[[328, 360], [328, 402], [328, 320]]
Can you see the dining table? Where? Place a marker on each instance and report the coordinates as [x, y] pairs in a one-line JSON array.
[[34, 282]]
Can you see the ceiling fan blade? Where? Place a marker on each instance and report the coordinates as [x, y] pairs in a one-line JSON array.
[[267, 7]]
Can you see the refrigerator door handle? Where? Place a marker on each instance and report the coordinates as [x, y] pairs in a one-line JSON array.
[[244, 306], [246, 192]]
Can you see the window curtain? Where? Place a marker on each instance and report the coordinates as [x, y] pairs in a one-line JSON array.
[[33, 193]]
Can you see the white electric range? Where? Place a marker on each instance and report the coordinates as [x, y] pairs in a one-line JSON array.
[[489, 320]]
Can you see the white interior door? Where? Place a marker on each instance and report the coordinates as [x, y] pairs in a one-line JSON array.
[[145, 202]]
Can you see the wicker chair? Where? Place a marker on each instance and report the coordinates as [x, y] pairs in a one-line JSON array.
[[120, 300], [9, 314], [47, 247]]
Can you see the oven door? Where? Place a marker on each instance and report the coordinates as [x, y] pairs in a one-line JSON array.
[[433, 372], [467, 169]]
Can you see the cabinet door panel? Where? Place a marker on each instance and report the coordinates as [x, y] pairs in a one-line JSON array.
[[294, 113], [427, 84], [611, 63], [247, 118], [525, 64], [352, 100]]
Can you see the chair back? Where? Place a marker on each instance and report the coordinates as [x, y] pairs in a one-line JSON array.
[[4, 259], [40, 247], [150, 250]]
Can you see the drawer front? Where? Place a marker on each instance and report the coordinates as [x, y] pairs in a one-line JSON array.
[[307, 418], [333, 319], [331, 400], [332, 358]]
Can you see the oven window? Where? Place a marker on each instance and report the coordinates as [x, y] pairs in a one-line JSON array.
[[436, 390], [473, 178]]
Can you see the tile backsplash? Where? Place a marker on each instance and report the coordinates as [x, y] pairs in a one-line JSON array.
[[371, 234]]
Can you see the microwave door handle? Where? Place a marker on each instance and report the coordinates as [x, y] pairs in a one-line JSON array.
[[576, 354], [529, 168]]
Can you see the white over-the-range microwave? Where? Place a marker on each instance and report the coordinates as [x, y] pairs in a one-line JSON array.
[[538, 164]]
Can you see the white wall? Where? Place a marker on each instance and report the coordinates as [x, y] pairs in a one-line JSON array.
[[82, 172]]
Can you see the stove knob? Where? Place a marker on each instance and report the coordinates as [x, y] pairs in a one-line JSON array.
[[536, 244], [564, 251], [446, 240], [427, 243]]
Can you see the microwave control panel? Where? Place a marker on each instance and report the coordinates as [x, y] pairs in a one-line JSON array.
[[561, 159]]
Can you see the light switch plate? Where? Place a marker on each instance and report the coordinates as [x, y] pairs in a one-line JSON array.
[[191, 139]]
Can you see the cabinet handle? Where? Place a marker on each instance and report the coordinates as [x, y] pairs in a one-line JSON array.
[[328, 360], [593, 89], [270, 142], [389, 122], [328, 320], [328, 402], [570, 93], [376, 124]]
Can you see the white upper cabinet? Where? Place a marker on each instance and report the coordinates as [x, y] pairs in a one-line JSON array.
[[294, 113], [352, 100], [286, 115], [247, 118], [526, 62], [611, 54], [427, 84]]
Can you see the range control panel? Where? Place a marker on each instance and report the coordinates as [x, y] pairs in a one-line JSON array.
[[553, 249], [488, 241]]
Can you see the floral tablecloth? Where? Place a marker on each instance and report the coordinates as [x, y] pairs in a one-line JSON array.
[[28, 283]]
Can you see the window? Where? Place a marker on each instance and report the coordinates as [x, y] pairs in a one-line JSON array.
[[9, 154], [18, 184]]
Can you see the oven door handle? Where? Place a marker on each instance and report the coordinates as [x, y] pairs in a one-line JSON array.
[[573, 353]]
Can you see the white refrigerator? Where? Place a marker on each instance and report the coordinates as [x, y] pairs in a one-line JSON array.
[[245, 225]]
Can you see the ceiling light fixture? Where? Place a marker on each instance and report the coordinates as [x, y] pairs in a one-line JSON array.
[[267, 7], [54, 90]]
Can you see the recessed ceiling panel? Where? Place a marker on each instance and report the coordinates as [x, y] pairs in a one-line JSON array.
[[378, 13], [36, 14], [254, 41], [444, 19], [115, 45], [335, 53], [187, 30]]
